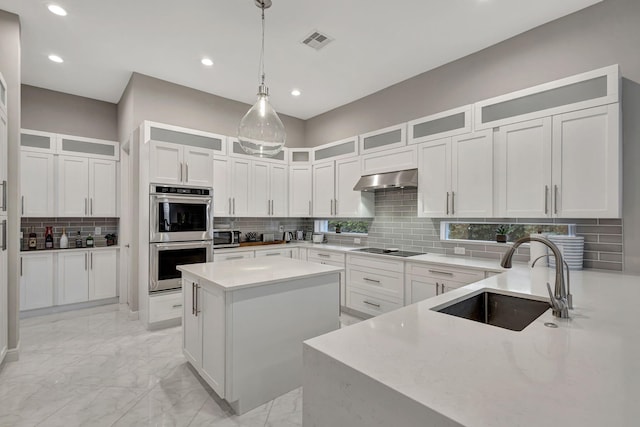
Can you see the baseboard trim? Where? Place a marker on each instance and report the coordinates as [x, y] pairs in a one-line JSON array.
[[134, 315], [67, 307], [165, 324], [13, 354]]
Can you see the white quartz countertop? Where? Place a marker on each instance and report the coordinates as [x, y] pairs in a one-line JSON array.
[[585, 372], [242, 273], [441, 259]]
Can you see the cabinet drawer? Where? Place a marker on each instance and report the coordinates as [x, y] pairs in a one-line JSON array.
[[372, 305], [165, 307], [232, 256], [316, 255], [274, 252], [447, 274], [379, 263], [389, 283]]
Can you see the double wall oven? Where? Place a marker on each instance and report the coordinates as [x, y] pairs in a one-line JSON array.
[[181, 232]]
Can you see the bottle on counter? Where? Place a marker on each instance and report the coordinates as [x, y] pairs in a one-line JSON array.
[[33, 240], [78, 240], [48, 238], [64, 240], [89, 241]]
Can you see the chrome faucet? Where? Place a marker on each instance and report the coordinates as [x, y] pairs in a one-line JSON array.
[[557, 299], [567, 281]]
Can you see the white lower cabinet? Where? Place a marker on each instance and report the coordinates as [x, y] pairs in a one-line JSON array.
[[229, 256], [336, 259], [424, 280], [36, 280], [4, 332], [375, 285], [205, 308], [72, 276], [166, 306], [274, 252]]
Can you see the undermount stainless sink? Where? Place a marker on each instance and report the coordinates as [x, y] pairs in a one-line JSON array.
[[495, 309]]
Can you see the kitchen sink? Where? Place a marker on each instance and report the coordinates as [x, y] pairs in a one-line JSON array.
[[495, 309]]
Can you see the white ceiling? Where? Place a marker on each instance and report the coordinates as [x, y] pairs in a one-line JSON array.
[[377, 43]]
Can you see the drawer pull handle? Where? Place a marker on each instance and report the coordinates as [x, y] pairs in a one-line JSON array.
[[176, 305], [446, 273], [370, 303], [273, 254], [324, 255], [371, 280], [235, 257]]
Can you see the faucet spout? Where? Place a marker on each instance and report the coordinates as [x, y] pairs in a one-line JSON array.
[[558, 302]]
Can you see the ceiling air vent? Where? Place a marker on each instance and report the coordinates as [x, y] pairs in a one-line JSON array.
[[317, 40]]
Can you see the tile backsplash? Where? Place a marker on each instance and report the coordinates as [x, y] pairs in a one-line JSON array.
[[397, 225], [86, 226], [264, 225]]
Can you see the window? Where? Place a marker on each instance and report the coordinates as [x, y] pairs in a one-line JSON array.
[[342, 226], [486, 232]]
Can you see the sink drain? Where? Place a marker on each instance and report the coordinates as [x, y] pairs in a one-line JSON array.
[[550, 325]]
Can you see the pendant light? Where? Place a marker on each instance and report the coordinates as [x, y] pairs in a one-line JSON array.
[[261, 132]]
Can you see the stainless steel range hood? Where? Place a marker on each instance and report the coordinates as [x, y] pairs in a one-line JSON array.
[[378, 181]]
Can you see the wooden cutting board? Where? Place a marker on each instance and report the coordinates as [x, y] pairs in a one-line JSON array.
[[275, 242]]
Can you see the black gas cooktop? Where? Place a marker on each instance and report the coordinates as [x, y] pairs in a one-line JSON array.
[[392, 252]]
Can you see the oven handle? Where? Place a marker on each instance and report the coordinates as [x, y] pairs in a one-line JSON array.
[[193, 199], [204, 244]]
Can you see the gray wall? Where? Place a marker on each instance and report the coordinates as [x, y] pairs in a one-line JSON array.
[[604, 34], [51, 111], [10, 68], [148, 98]]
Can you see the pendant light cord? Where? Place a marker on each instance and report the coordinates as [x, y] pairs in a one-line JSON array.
[[262, 73]]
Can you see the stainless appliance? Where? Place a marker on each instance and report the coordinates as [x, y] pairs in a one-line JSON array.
[[400, 179], [178, 214], [392, 252], [224, 238], [165, 257]]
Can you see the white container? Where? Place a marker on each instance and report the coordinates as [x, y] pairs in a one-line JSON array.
[[64, 240], [572, 249], [318, 238]]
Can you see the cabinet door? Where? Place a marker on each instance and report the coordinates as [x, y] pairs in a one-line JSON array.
[[420, 288], [36, 281], [73, 277], [348, 201], [587, 164], [472, 175], [102, 188], [103, 269], [191, 324], [261, 202], [434, 178], [3, 161], [73, 186], [198, 166], [524, 169], [165, 163], [300, 191], [240, 187], [36, 182], [278, 190], [221, 195], [323, 189], [212, 307], [3, 304]]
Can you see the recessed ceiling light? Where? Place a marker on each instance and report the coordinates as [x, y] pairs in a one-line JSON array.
[[295, 92], [54, 8], [207, 62], [56, 58]]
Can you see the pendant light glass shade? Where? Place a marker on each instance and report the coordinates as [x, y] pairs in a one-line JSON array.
[[261, 132]]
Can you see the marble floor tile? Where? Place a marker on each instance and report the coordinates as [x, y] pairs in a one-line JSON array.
[[95, 367]]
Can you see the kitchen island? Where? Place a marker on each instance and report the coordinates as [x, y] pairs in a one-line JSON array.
[[244, 322], [417, 367]]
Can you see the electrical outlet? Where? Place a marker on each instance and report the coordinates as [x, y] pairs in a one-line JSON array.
[[98, 231], [459, 251], [281, 228], [356, 240]]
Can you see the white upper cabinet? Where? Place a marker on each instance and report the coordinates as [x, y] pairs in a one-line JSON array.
[[278, 190], [87, 147], [241, 187], [221, 186], [175, 164], [323, 189], [3, 95], [198, 166], [300, 190], [269, 187], [300, 156], [524, 169], [396, 159], [349, 203], [342, 149], [36, 184], [441, 125], [456, 176], [587, 163], [586, 90], [86, 187], [565, 166], [383, 139]]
